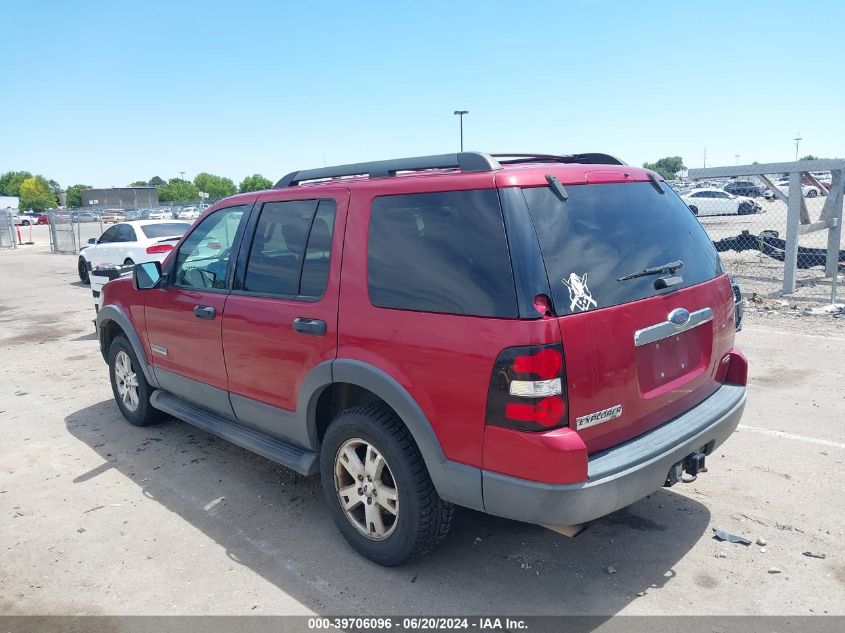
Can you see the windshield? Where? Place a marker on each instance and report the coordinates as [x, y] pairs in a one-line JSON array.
[[603, 232], [167, 229]]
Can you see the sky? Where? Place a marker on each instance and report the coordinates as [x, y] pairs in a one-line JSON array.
[[105, 93]]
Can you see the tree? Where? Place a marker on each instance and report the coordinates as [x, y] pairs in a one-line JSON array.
[[178, 190], [139, 183], [256, 182], [215, 186], [809, 157], [667, 167], [36, 195], [10, 182], [155, 181], [74, 195]]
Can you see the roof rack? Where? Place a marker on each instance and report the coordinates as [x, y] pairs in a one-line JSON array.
[[465, 161], [590, 158]]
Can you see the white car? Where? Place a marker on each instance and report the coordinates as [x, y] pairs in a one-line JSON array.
[[189, 213], [161, 214], [128, 243], [714, 201], [808, 191]]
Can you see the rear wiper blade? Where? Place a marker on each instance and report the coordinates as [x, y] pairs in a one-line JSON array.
[[654, 270]]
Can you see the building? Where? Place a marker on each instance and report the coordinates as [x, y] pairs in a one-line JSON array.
[[9, 202], [121, 197]]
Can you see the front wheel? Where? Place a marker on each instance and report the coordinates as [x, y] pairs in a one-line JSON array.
[[694, 210], [130, 388], [128, 262], [379, 492], [82, 269], [812, 193]]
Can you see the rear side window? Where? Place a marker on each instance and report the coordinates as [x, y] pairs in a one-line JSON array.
[[291, 248], [169, 229], [441, 252], [603, 232]]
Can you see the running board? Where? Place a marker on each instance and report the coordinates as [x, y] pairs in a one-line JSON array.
[[298, 459]]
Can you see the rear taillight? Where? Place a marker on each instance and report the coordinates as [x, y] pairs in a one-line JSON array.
[[159, 248], [528, 389]]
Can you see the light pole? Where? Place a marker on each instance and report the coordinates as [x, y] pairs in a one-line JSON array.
[[797, 140], [460, 114], [181, 175]]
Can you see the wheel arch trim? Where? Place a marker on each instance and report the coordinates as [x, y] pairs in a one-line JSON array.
[[454, 482], [112, 313]]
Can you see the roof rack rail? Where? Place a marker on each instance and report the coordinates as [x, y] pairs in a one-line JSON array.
[[590, 158], [465, 161]]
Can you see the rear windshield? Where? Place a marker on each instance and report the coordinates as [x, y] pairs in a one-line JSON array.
[[168, 229], [603, 232]]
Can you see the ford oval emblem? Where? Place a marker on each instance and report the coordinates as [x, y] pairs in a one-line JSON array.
[[679, 317]]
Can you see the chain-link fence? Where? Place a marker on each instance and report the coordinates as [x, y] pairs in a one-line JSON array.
[[749, 221], [72, 228], [7, 230], [63, 235]]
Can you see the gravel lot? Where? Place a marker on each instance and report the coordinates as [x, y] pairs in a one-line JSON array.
[[99, 517]]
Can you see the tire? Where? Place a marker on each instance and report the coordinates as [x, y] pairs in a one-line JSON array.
[[128, 262], [419, 519], [812, 193], [25, 223], [82, 269], [694, 210], [137, 410]]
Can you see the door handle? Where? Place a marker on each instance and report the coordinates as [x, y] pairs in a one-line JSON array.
[[316, 327], [205, 312]]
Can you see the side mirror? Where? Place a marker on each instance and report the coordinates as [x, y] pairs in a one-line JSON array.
[[92, 240], [146, 275]]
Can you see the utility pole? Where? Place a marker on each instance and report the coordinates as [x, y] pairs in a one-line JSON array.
[[181, 175], [797, 140], [460, 114], [736, 156], [705, 157]]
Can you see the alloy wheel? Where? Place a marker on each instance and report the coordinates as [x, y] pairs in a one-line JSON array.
[[126, 380], [366, 489]]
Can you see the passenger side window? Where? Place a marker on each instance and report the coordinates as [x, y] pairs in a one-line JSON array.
[[125, 233], [109, 236], [441, 252], [204, 259], [291, 248]]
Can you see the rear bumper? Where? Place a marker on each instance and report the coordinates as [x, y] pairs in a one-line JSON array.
[[621, 475]]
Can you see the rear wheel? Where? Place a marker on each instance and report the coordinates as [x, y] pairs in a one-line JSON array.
[[694, 210], [130, 388], [379, 492], [128, 262], [82, 268]]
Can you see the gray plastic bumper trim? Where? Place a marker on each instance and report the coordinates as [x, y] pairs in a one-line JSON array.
[[619, 476]]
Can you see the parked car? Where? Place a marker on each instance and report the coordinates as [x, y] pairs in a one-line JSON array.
[[719, 202], [744, 188], [127, 243], [160, 214], [189, 213], [28, 219], [84, 216], [807, 191], [429, 370], [113, 216]]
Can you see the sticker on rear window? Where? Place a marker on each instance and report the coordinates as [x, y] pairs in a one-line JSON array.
[[579, 294]]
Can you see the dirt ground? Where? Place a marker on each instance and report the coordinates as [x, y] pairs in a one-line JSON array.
[[99, 517]]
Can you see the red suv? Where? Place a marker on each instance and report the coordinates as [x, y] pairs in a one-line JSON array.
[[542, 338]]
